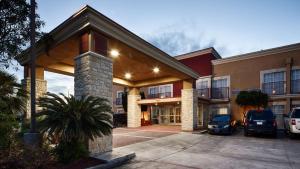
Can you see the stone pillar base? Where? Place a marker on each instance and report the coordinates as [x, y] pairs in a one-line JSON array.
[[133, 111], [93, 76], [189, 109], [41, 90]]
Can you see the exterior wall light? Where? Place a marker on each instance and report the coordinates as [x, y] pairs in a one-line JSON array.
[[127, 76], [274, 91], [114, 53], [155, 69]]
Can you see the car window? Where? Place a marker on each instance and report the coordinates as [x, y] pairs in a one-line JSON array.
[[221, 118], [296, 113], [260, 115]]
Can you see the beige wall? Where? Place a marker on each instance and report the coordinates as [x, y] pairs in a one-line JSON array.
[[245, 74]]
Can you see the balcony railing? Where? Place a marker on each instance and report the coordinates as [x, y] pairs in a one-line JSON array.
[[160, 95], [295, 86], [204, 93], [274, 88], [220, 93], [118, 101]]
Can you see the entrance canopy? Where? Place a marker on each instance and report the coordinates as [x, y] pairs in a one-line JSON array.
[[136, 63]]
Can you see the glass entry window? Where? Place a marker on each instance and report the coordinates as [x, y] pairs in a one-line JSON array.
[[167, 115]]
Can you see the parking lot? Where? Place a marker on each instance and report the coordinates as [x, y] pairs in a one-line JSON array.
[[187, 150]]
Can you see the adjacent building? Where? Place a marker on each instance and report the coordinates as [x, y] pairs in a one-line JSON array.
[[274, 71]]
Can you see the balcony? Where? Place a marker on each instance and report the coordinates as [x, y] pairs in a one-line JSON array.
[[160, 95], [274, 88], [204, 93], [295, 86], [220, 93], [118, 101]]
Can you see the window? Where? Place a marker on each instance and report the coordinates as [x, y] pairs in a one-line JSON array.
[[165, 91], [273, 83], [219, 83], [203, 88], [119, 97], [295, 81], [202, 84], [153, 90], [119, 94], [162, 91], [220, 89]]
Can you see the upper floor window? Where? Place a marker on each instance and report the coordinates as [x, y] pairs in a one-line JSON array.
[[203, 88], [162, 91], [220, 88], [119, 94], [295, 84], [202, 84], [119, 97], [219, 83], [274, 83]]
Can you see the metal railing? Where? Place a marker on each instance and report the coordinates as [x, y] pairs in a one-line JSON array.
[[274, 88], [160, 95], [295, 86], [220, 93], [119, 101], [204, 93]]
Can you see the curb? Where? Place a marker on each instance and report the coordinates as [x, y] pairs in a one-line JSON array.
[[114, 161]]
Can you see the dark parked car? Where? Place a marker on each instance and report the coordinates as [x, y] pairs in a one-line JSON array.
[[221, 124], [260, 121]]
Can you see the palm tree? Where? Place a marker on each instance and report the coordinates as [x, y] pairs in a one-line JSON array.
[[12, 103], [12, 96], [72, 119]]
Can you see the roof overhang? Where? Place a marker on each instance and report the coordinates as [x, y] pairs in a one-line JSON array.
[[88, 17]]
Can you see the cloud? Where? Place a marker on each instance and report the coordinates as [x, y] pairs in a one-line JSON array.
[[58, 83], [176, 39]]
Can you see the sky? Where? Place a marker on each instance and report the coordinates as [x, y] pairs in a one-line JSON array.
[[179, 26]]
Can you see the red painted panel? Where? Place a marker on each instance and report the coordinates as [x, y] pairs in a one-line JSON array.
[[177, 86], [100, 44], [200, 64], [84, 43]]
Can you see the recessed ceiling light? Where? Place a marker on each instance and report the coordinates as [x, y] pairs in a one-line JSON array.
[[155, 69], [114, 53], [127, 75]]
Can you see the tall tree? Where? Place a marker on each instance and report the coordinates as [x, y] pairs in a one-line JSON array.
[[14, 29]]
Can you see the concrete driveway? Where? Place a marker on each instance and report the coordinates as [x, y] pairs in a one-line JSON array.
[[187, 150], [127, 136]]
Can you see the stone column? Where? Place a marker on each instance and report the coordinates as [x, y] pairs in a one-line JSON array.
[[94, 76], [189, 107], [40, 88], [133, 109]]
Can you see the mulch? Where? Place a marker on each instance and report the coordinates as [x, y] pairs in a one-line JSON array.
[[78, 164]]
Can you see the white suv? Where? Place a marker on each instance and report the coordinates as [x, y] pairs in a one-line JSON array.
[[292, 122]]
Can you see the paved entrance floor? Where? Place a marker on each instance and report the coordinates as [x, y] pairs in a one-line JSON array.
[[126, 136], [187, 150]]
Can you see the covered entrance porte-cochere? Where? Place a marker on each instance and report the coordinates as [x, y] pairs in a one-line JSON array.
[[98, 52]]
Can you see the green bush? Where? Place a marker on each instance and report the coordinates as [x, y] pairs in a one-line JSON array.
[[69, 151], [8, 127], [72, 122]]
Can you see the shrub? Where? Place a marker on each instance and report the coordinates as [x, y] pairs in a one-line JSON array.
[[70, 151], [73, 121]]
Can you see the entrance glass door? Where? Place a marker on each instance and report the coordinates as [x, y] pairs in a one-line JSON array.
[[175, 117]]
